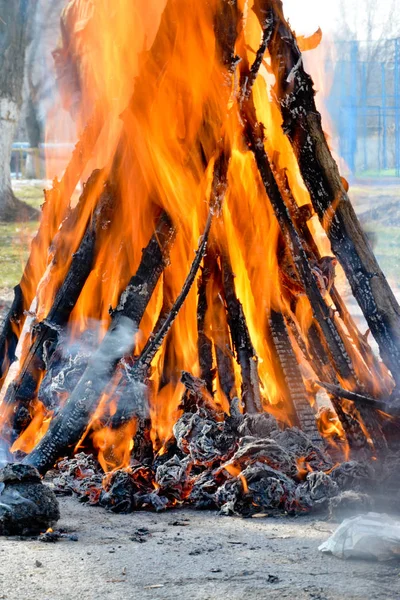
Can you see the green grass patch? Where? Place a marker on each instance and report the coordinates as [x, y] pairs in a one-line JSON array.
[[377, 174], [15, 238], [15, 242], [30, 193]]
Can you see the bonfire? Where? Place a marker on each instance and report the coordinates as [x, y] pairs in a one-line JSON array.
[[178, 335]]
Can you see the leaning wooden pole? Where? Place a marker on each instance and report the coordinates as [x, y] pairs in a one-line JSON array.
[[57, 201], [23, 390], [68, 426], [302, 125]]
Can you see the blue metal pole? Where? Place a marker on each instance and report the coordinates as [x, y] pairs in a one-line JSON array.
[[384, 119], [353, 116], [364, 113], [396, 105]]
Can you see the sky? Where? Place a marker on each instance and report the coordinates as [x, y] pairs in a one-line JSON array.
[[307, 15]]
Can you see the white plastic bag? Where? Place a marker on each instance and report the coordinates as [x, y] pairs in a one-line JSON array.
[[372, 537]]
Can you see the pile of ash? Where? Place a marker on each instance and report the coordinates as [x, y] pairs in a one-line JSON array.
[[238, 464]]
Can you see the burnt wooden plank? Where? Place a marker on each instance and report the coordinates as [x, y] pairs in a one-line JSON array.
[[302, 125], [23, 390], [292, 380], [69, 425]]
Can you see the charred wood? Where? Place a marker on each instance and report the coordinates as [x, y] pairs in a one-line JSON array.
[[69, 425], [204, 343], [60, 196], [302, 125], [224, 357], [361, 399], [131, 392], [255, 139], [226, 30], [211, 306], [326, 265], [291, 377], [10, 333], [22, 391], [242, 344], [324, 370], [136, 374], [142, 444]]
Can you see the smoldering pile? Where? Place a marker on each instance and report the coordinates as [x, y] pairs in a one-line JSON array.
[[238, 464]]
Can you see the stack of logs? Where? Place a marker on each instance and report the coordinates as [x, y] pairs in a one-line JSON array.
[[333, 340]]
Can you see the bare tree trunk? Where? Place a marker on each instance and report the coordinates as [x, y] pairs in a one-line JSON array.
[[15, 18]]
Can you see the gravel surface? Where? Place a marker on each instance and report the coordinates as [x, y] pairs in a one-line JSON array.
[[186, 554]]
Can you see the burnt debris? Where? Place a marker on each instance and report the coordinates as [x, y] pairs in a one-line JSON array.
[[27, 506]]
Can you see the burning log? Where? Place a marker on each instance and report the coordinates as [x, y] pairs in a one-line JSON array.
[[23, 389], [361, 399], [224, 354], [220, 333], [10, 333], [204, 343], [255, 139], [67, 428], [245, 353], [136, 374], [22, 300], [301, 216], [53, 212], [132, 388], [302, 125], [322, 366]]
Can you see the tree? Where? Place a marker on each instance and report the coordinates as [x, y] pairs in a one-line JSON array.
[[364, 98], [15, 19], [41, 87], [365, 21]]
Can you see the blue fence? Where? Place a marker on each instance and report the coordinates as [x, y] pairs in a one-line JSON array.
[[365, 105]]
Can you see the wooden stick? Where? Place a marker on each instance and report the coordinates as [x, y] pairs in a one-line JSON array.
[[241, 340], [254, 136], [68, 426], [204, 343], [23, 389], [131, 390], [302, 125], [300, 217], [362, 399], [53, 212], [323, 368], [292, 380], [222, 340]]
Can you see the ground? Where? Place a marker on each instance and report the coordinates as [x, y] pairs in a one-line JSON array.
[[187, 554]]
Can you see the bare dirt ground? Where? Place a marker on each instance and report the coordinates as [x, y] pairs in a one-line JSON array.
[[187, 554]]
